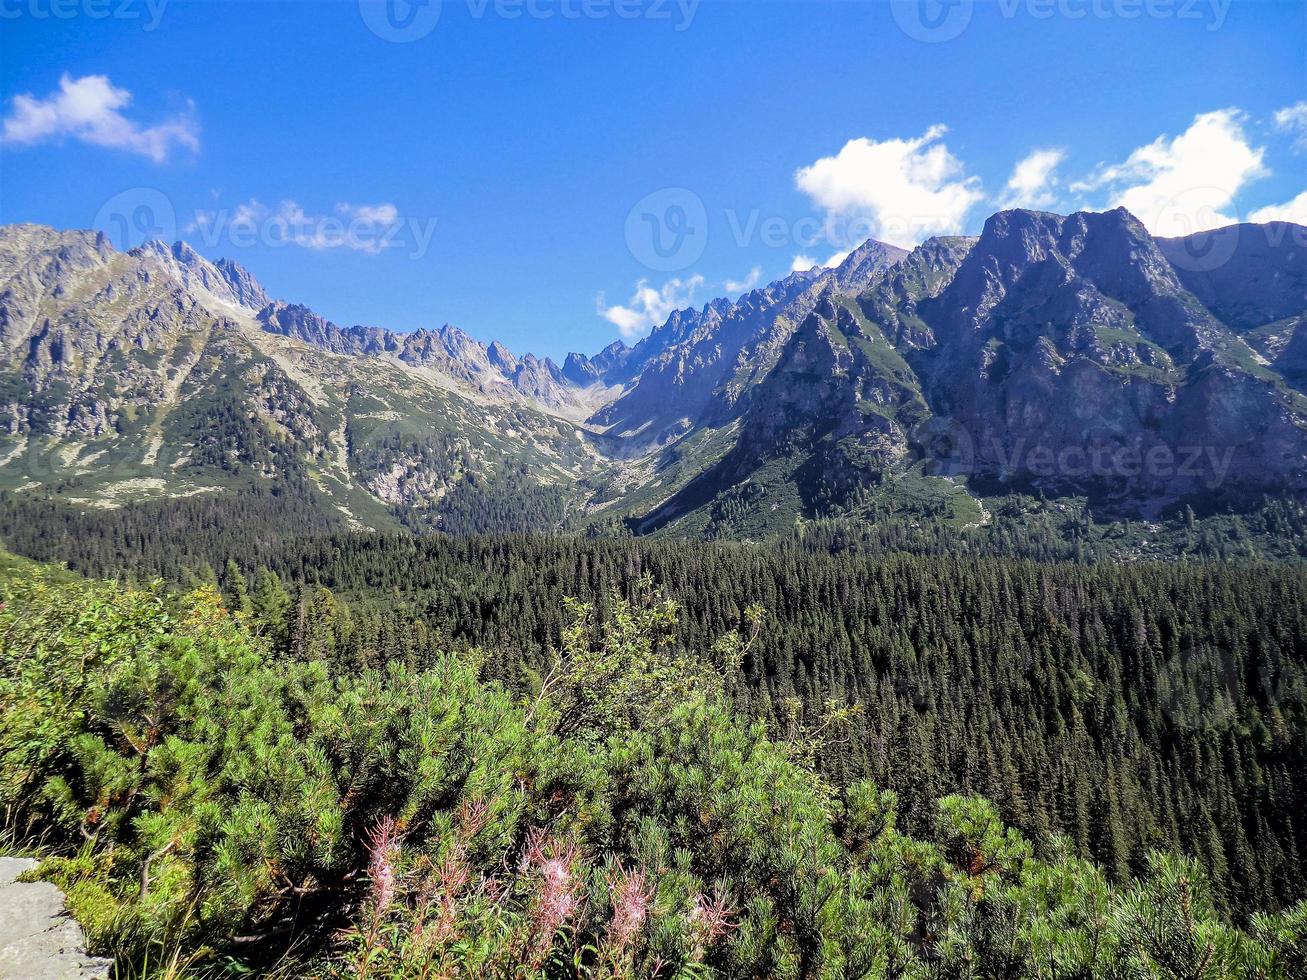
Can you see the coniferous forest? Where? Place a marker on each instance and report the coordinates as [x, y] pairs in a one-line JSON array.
[[842, 752]]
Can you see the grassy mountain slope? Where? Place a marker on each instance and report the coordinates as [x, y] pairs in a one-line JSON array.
[[1072, 357]]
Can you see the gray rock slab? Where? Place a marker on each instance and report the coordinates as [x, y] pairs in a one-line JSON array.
[[38, 939]]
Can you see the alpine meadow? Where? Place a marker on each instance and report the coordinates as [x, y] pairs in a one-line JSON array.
[[857, 529]]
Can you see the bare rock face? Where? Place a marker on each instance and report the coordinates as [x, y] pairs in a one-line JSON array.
[[224, 283], [1247, 275], [301, 323], [38, 941], [158, 373], [1062, 354], [836, 411], [864, 265], [698, 365], [92, 335], [1071, 353], [502, 358], [580, 370], [891, 300], [245, 289], [1291, 357], [491, 371], [612, 361], [541, 379], [38, 269]]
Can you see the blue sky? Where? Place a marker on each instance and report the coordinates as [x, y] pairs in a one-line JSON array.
[[556, 173]]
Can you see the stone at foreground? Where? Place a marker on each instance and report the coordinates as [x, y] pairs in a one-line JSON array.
[[38, 939]]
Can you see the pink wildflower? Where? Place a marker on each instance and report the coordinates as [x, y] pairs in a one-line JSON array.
[[556, 901], [632, 899], [557, 897], [383, 842], [453, 877], [711, 918]]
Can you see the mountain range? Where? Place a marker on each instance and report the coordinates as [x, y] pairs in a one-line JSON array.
[[1063, 356]]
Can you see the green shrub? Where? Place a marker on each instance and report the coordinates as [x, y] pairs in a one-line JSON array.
[[208, 802]]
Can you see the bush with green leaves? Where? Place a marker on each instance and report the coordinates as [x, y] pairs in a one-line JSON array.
[[619, 819]]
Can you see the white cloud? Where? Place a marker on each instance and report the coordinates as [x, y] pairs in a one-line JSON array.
[[1181, 185], [89, 109], [802, 263], [376, 214], [1032, 181], [369, 228], [899, 190], [745, 284], [1293, 119], [649, 307], [1295, 211]]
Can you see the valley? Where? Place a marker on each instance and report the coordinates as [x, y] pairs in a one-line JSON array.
[[1060, 357]]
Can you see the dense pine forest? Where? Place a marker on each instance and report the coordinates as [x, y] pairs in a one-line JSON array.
[[174, 537], [1128, 708], [1124, 707], [218, 800]]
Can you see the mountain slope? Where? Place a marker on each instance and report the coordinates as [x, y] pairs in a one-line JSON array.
[[128, 375], [1077, 334], [1063, 355], [697, 365]]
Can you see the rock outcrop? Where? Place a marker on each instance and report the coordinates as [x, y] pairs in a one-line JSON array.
[[38, 940]]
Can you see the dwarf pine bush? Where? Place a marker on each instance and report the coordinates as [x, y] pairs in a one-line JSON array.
[[197, 794]]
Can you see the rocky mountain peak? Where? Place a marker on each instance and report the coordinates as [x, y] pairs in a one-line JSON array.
[[864, 263], [1023, 253], [247, 290], [502, 358], [612, 354], [579, 370], [55, 252], [220, 286], [608, 366], [1248, 275], [300, 322], [1045, 331]]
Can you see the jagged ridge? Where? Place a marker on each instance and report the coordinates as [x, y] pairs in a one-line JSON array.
[[975, 358]]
